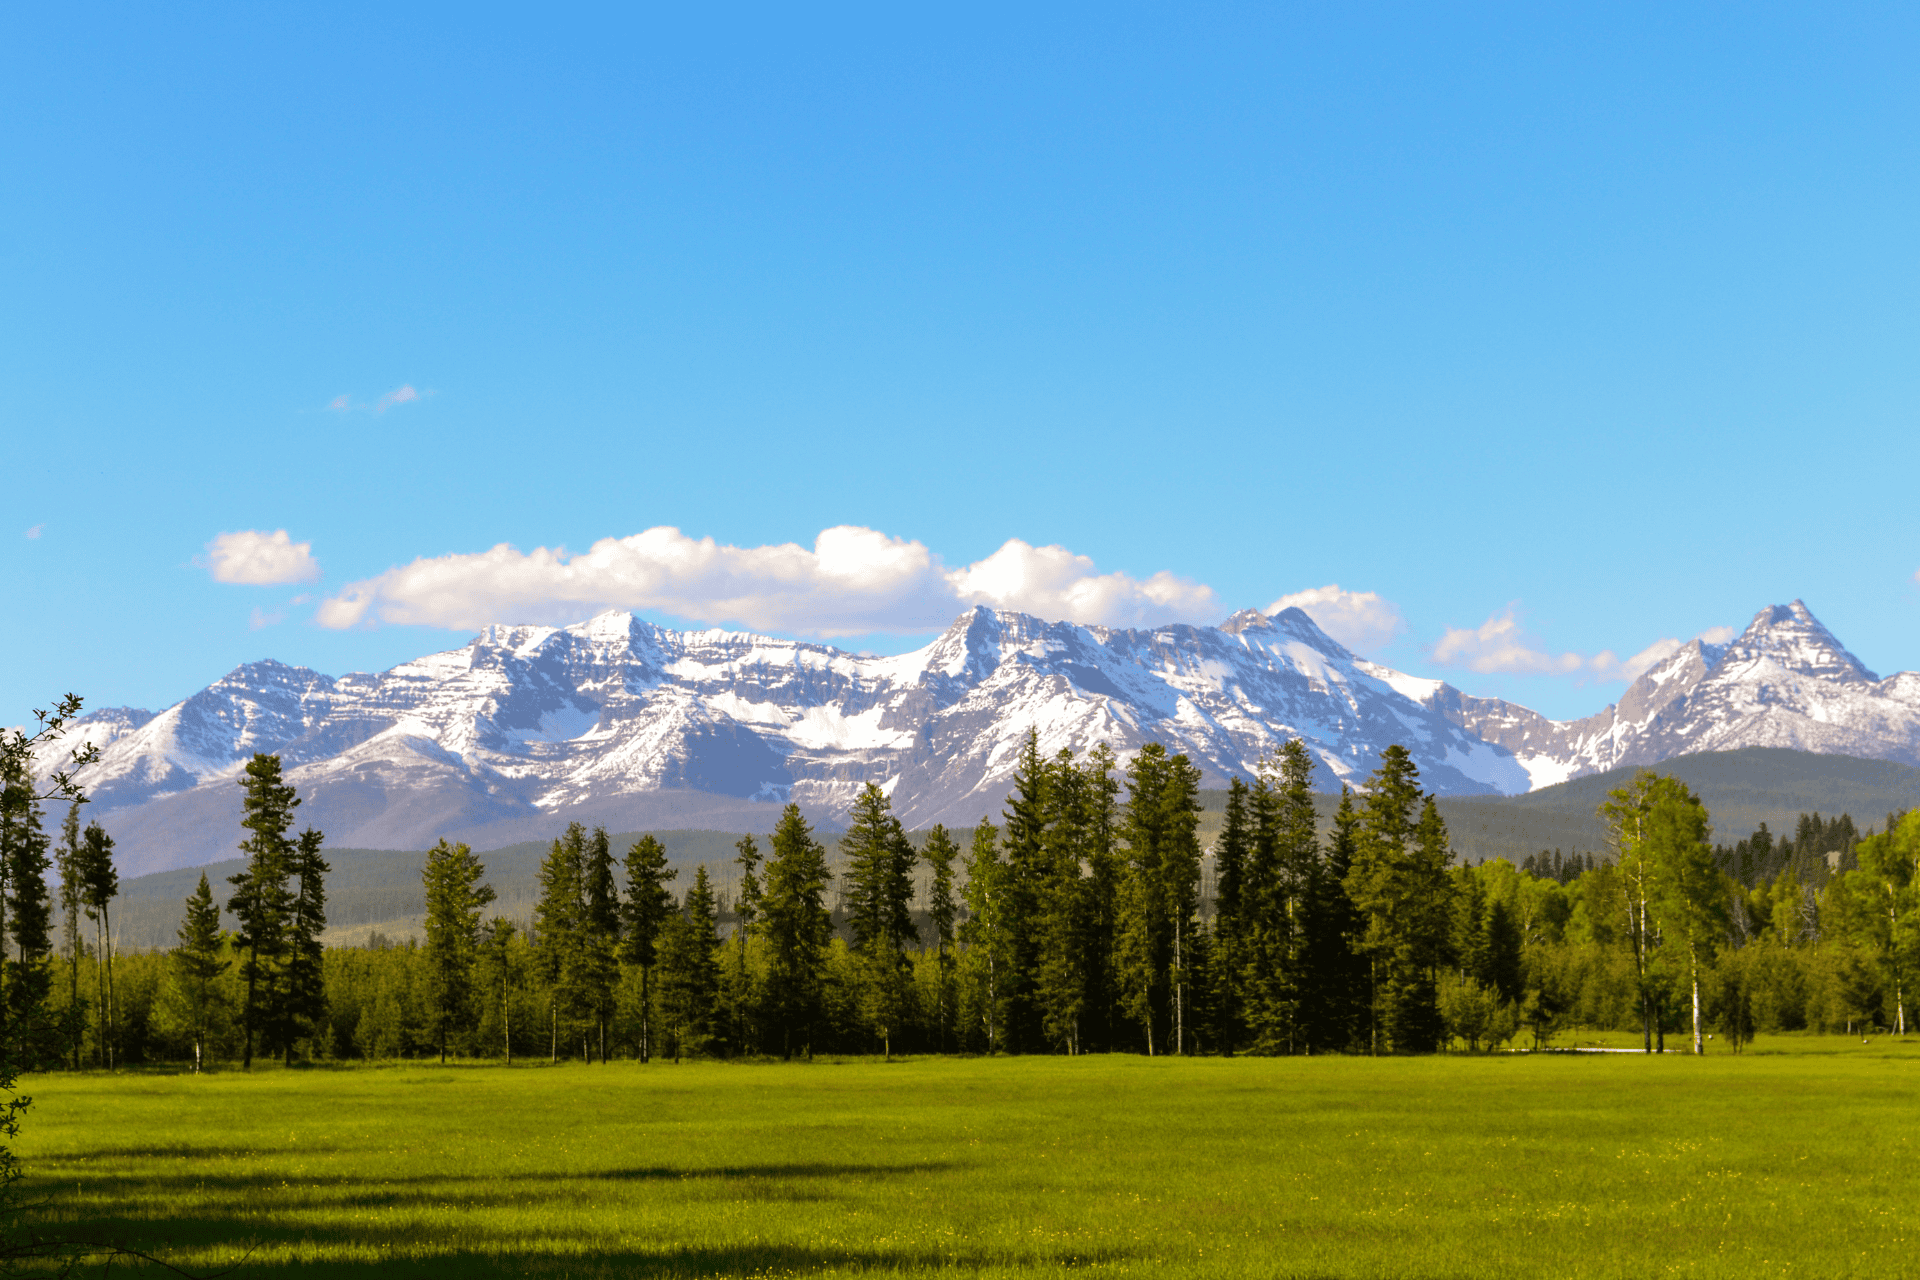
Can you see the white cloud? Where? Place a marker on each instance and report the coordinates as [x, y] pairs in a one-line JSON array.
[[1499, 645], [852, 581], [261, 618], [33, 534], [340, 404], [257, 558], [399, 395], [1361, 620]]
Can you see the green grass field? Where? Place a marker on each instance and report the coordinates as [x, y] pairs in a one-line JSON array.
[[1546, 1165]]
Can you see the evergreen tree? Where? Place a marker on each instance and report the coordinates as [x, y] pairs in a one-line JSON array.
[[941, 911], [559, 929], [1400, 885], [68, 858], [1503, 965], [24, 862], [1230, 925], [689, 986], [1159, 891], [305, 990], [797, 927], [196, 966], [985, 932], [879, 881], [1064, 956], [601, 946], [646, 909], [99, 885], [1023, 855], [454, 897], [1335, 973], [1285, 855], [261, 901], [746, 908]]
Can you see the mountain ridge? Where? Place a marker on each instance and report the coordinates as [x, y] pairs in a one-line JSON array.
[[621, 721]]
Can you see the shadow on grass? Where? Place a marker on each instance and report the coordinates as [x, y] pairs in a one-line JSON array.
[[273, 1196], [743, 1260]]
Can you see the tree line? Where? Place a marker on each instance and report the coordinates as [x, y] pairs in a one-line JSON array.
[[1081, 922]]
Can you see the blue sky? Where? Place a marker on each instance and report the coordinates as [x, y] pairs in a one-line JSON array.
[[1562, 333]]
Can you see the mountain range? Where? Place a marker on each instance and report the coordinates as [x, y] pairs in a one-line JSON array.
[[622, 722]]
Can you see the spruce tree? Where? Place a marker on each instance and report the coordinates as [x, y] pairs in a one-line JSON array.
[[68, 858], [879, 881], [24, 860], [601, 946], [646, 909], [1024, 855], [305, 989], [1399, 883], [1158, 900], [559, 927], [985, 932], [99, 885], [1335, 972], [196, 966], [1230, 924], [454, 898], [1063, 908], [1503, 972], [746, 909], [940, 853], [261, 901], [797, 926], [689, 985]]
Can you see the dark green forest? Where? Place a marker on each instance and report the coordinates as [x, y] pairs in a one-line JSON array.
[[1087, 918]]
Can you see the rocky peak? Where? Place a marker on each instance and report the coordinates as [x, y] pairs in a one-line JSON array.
[[1789, 636]]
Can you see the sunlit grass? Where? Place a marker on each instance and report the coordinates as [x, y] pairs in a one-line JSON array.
[[1592, 1165]]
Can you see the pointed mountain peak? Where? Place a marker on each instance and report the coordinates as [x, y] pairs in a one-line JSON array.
[[1789, 635], [1298, 623], [1247, 620]]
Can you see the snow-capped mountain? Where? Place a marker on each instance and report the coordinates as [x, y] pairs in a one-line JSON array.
[[1784, 682], [619, 721], [595, 719]]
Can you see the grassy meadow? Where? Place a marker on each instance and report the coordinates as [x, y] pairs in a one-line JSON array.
[[1800, 1158]]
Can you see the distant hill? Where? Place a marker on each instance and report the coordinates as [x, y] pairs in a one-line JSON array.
[[380, 888]]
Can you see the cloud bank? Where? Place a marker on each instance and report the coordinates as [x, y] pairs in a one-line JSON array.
[[1500, 646], [853, 581], [255, 557], [1361, 620]]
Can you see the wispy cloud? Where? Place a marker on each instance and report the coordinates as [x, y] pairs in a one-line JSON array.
[[33, 534], [1501, 646], [254, 557], [261, 618], [404, 394], [1361, 620], [851, 581], [340, 404]]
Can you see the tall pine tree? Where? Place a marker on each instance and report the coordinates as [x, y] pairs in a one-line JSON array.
[[797, 926], [879, 880], [455, 897], [196, 966], [261, 901], [646, 909]]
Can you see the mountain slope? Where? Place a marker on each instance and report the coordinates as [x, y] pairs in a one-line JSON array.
[[1785, 682], [534, 724]]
